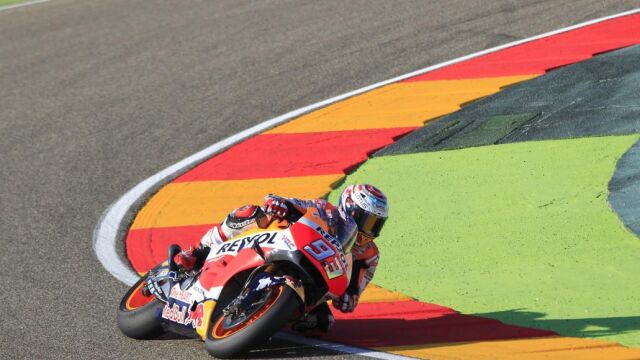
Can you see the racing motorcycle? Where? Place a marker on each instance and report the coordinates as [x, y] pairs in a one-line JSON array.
[[248, 288]]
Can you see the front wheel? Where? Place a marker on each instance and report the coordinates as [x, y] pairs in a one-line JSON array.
[[232, 335], [138, 312]]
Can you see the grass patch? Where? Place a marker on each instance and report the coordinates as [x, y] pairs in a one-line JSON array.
[[11, 2], [521, 233]]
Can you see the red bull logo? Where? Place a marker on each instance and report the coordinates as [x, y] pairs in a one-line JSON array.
[[180, 315]]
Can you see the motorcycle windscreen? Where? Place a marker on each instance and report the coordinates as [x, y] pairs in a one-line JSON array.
[[347, 231]]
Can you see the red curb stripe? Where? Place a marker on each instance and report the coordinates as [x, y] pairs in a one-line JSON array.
[[146, 248], [288, 155], [410, 323], [537, 56], [408, 310]]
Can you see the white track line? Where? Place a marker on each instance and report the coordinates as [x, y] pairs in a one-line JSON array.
[[105, 235], [339, 347], [28, 3]]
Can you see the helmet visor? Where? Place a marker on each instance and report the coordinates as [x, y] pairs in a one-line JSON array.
[[368, 223]]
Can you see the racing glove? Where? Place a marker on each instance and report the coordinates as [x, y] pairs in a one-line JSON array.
[[275, 206], [346, 303], [185, 259]]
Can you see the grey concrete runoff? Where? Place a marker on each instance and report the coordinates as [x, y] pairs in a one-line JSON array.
[[624, 189], [596, 97], [96, 96]]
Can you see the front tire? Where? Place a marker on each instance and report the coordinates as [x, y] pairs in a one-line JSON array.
[[223, 342], [138, 313]]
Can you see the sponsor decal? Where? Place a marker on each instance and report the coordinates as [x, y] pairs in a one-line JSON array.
[[296, 285], [198, 288], [333, 268], [293, 283], [179, 294], [181, 315], [239, 225], [335, 242], [290, 244], [321, 251], [332, 239], [263, 283], [239, 244]]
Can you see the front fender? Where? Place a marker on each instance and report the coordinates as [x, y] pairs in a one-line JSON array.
[[263, 280], [217, 272], [303, 269]]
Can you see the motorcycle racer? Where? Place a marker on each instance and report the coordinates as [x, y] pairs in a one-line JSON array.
[[361, 213]]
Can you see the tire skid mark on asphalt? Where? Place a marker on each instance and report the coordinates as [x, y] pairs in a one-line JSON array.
[[485, 338]]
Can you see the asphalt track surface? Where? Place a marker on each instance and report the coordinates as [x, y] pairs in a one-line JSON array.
[[95, 96]]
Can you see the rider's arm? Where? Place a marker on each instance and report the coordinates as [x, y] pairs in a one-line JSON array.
[[365, 263], [237, 222], [215, 236], [290, 209], [297, 207], [194, 258], [364, 266]]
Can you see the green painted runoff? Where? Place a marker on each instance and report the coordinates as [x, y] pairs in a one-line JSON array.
[[521, 233], [10, 2]]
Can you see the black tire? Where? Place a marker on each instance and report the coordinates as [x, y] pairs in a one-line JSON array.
[[257, 332], [140, 322]]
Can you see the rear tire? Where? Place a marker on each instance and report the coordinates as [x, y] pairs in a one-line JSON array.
[[138, 315], [257, 331]]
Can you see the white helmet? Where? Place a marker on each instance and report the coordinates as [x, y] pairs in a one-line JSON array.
[[367, 206]]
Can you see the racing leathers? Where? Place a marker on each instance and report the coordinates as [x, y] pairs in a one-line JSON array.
[[365, 256]]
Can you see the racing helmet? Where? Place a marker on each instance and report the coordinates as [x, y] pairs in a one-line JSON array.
[[368, 207]]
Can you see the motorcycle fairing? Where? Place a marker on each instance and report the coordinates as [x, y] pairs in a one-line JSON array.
[[326, 250], [266, 239], [188, 306], [236, 255], [186, 309], [186, 315]]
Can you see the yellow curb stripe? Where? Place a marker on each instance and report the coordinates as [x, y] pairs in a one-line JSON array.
[[208, 202], [564, 348], [398, 105], [374, 293]]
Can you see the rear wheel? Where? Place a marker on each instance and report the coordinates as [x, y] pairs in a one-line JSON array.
[[138, 312], [232, 335]]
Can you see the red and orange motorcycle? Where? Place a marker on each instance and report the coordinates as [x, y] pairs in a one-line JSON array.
[[248, 288]]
